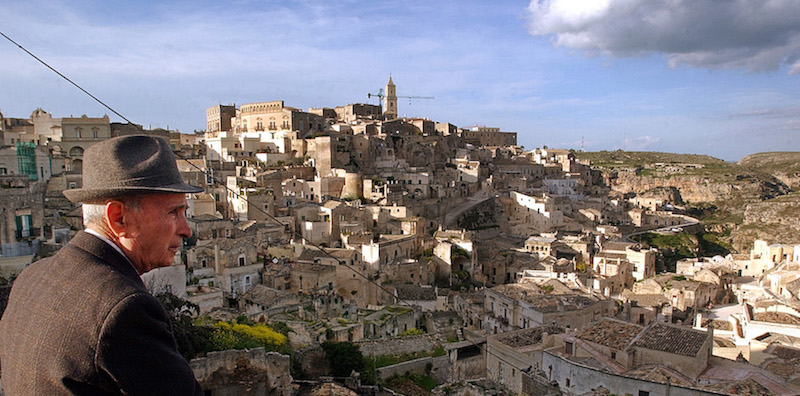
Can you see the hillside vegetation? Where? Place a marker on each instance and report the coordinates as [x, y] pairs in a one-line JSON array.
[[619, 158], [740, 201], [784, 165]]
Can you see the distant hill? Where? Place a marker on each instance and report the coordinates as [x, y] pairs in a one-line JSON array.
[[775, 160], [744, 200], [785, 165], [619, 158]]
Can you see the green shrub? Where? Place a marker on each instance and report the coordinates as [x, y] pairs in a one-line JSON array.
[[412, 332]]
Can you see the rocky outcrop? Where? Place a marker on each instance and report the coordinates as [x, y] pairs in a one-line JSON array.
[[695, 189], [776, 220], [785, 166], [244, 372]]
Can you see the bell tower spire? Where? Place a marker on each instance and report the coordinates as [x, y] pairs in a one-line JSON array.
[[390, 100]]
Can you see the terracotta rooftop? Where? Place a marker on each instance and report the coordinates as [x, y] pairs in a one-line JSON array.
[[672, 339], [747, 386], [618, 246], [267, 296], [527, 337], [543, 302], [558, 287], [775, 339], [415, 293], [646, 300], [660, 374], [786, 352], [780, 367], [718, 324], [777, 317], [611, 333]]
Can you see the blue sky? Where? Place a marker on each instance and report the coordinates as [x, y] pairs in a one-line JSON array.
[[688, 76]]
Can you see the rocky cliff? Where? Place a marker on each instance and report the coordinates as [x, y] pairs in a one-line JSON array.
[[748, 198], [783, 165], [700, 188], [776, 220]]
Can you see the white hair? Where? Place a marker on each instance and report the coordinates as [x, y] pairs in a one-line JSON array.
[[95, 213]]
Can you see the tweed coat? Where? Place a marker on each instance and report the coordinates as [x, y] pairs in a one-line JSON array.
[[82, 322]]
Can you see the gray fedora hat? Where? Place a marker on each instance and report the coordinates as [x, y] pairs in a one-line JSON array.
[[129, 165]]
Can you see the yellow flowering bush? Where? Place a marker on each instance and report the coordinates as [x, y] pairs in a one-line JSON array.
[[244, 336]]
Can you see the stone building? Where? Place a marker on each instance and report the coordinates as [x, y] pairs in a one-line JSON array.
[[643, 261], [308, 277], [390, 101], [488, 136], [218, 118], [387, 248], [683, 294], [627, 358], [22, 216], [533, 215], [352, 112], [275, 116], [512, 358], [424, 297], [521, 306], [229, 264]]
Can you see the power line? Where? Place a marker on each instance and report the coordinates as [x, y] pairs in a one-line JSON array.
[[66, 78], [213, 180], [320, 248]]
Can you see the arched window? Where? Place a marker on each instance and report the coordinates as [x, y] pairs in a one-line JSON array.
[[76, 151]]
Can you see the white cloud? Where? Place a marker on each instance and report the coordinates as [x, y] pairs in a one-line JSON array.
[[755, 35], [791, 125], [640, 142]]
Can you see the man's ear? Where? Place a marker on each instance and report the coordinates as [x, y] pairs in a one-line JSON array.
[[115, 218]]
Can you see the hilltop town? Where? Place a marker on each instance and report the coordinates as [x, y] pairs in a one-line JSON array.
[[449, 260]]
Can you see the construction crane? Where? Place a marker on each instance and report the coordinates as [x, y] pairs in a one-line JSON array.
[[380, 96]]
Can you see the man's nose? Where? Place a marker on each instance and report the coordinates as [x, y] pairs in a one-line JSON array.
[[183, 228]]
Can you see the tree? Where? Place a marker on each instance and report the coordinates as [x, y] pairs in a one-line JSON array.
[[344, 357], [192, 340]]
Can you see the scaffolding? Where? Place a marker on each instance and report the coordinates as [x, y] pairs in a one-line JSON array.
[[26, 158]]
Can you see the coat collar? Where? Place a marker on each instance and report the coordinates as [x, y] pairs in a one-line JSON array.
[[106, 253]]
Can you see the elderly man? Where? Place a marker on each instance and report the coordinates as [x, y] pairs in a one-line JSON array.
[[82, 321]]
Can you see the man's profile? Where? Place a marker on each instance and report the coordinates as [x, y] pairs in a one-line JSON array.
[[82, 321]]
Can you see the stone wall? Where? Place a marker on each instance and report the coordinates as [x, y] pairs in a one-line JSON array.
[[399, 346], [243, 372], [470, 368], [440, 368], [312, 361], [534, 384], [579, 379]]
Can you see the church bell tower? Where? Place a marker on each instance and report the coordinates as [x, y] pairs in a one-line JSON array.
[[390, 101]]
